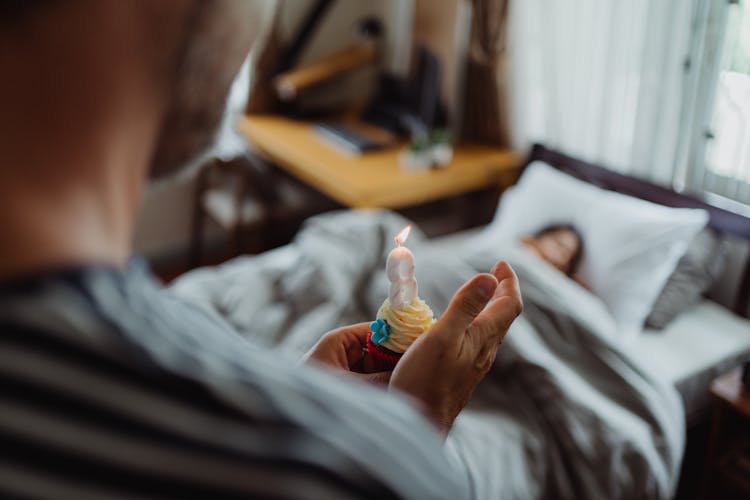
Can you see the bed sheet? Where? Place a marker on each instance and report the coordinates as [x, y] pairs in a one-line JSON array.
[[690, 352], [699, 345]]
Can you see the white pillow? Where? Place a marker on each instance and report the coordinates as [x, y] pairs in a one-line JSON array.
[[631, 246]]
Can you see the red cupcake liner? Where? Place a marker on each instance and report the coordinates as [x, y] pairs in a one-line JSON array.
[[383, 359]]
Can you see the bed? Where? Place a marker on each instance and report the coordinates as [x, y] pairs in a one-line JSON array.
[[706, 340], [572, 409], [698, 346], [712, 337]]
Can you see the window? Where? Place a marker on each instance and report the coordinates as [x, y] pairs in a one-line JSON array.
[[719, 153]]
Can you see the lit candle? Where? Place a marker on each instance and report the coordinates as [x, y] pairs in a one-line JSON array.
[[400, 270]]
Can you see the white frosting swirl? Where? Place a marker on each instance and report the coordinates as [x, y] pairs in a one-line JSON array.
[[406, 324]]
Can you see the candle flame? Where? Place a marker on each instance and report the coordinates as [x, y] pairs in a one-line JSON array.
[[402, 235]]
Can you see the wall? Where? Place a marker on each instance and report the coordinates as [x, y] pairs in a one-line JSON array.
[[163, 225], [444, 26], [337, 28]]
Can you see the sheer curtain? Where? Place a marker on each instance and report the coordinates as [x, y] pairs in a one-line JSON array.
[[601, 80]]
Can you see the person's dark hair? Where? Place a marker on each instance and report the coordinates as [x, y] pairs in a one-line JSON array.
[[553, 228]]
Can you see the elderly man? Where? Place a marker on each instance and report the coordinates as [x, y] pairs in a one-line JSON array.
[[112, 388]]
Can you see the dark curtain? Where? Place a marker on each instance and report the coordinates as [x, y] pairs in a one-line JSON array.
[[262, 97], [485, 108]]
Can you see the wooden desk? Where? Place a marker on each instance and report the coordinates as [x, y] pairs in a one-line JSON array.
[[374, 179]]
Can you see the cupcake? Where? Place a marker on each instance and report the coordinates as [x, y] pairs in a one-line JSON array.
[[395, 329], [403, 317]]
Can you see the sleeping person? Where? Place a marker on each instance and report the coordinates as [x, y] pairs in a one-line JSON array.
[[560, 245]]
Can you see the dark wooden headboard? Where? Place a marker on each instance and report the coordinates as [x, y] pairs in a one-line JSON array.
[[725, 215]]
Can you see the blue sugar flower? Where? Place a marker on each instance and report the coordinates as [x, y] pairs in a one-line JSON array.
[[380, 330]]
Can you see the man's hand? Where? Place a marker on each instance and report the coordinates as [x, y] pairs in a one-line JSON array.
[[345, 349], [444, 365]]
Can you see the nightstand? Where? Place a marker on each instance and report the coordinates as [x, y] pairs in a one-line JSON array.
[[464, 194], [375, 180], [727, 472]]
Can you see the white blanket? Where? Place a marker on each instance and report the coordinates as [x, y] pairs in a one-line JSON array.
[[564, 413]]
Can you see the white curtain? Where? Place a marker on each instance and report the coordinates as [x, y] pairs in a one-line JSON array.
[[601, 80]]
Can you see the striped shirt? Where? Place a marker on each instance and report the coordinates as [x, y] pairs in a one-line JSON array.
[[110, 387]]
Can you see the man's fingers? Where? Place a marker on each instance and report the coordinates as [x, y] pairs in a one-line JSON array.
[[352, 338], [467, 303], [507, 280], [358, 331], [378, 378], [493, 323]]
